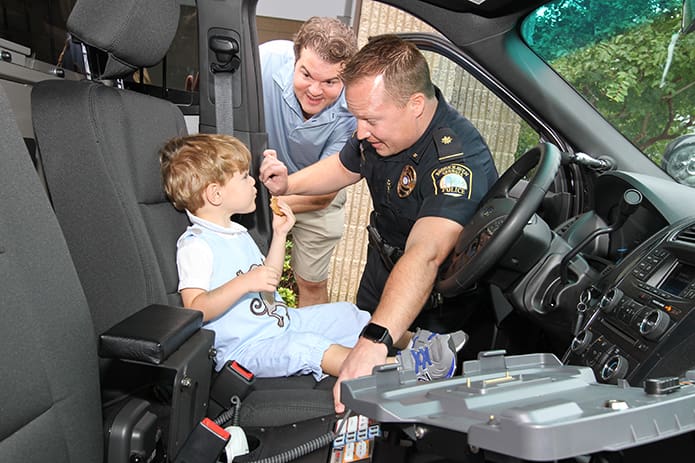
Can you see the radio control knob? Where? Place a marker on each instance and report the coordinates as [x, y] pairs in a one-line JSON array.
[[581, 342], [610, 299], [615, 368], [654, 324]]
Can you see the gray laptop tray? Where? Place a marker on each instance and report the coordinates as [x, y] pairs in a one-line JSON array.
[[528, 406]]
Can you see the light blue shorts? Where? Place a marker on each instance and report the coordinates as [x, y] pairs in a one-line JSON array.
[[300, 349]]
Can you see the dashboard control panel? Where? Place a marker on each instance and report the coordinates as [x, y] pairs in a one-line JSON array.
[[642, 322]]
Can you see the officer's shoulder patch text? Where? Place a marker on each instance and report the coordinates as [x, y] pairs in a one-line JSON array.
[[453, 180], [448, 145]]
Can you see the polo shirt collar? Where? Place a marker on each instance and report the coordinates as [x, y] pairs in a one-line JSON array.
[[232, 229]]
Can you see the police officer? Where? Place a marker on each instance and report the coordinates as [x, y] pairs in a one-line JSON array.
[[427, 168]]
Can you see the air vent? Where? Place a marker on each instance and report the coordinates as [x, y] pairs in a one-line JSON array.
[[687, 235]]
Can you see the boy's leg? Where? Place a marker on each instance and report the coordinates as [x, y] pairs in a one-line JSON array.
[[333, 359]]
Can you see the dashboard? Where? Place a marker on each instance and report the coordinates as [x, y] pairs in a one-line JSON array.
[[641, 312]]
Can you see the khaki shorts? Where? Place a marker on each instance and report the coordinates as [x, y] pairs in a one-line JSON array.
[[315, 234]]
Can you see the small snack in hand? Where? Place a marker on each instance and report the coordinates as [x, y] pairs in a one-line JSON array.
[[275, 207]]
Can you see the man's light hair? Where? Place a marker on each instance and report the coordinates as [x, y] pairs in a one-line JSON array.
[[403, 67], [333, 41]]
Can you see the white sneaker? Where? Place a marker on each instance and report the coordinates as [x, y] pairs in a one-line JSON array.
[[432, 356]]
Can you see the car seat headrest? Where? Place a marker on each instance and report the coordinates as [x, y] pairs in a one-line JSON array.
[[133, 33]]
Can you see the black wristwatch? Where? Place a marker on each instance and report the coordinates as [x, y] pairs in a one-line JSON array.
[[377, 333]]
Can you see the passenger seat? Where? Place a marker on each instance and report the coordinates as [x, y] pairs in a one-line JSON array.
[[99, 148]]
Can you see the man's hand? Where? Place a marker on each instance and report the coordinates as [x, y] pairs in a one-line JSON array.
[[273, 173], [360, 362]]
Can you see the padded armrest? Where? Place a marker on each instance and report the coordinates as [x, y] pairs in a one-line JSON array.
[[150, 335]]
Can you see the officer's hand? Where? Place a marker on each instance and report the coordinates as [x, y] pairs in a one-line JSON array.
[[360, 362], [273, 173]]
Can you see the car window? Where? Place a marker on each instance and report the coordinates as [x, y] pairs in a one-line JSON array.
[[179, 70], [630, 61], [37, 25], [507, 134]]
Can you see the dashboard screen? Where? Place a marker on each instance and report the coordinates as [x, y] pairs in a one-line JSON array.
[[679, 278]]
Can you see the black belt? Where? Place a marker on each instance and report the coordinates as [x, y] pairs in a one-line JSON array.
[[389, 256]]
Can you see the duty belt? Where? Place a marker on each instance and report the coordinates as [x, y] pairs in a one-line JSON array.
[[390, 255]]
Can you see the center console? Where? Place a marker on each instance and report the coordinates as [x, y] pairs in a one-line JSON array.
[[642, 318], [626, 385]]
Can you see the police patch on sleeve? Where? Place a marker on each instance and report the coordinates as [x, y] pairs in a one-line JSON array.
[[453, 180]]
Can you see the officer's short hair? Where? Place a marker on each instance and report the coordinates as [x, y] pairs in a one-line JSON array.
[[333, 41], [189, 164], [404, 68]]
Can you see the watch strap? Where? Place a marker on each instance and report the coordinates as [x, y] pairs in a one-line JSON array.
[[377, 334]]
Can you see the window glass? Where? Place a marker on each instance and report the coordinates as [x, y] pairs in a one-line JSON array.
[[630, 61], [36, 24], [180, 69], [507, 134]]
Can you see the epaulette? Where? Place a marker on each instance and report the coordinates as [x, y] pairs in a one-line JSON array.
[[448, 144]]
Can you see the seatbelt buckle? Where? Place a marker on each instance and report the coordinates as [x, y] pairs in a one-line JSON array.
[[205, 443], [232, 380]]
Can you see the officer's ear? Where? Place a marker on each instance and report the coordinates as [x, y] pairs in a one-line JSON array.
[[416, 103]]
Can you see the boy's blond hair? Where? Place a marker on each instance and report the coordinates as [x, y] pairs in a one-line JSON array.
[[190, 163]]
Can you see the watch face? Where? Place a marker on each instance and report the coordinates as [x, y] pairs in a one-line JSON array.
[[375, 332]]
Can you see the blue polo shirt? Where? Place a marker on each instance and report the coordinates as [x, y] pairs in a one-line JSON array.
[[299, 142]]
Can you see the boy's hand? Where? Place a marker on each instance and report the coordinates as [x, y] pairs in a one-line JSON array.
[[263, 278], [283, 223], [273, 173]]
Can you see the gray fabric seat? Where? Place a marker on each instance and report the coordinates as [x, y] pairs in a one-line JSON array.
[[51, 410], [99, 149]]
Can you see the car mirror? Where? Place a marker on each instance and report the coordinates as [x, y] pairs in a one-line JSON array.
[[679, 159]]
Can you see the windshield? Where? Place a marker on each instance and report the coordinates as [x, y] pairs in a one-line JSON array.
[[629, 59]]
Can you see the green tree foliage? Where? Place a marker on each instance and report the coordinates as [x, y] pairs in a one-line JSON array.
[[288, 286], [615, 53]]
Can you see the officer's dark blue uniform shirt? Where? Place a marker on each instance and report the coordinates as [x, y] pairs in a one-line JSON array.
[[444, 174]]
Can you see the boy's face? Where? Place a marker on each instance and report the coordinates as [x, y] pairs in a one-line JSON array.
[[239, 193], [316, 82]]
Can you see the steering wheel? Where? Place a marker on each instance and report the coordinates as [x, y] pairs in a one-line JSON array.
[[499, 220]]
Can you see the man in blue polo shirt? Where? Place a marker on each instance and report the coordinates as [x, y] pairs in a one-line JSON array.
[[307, 120]]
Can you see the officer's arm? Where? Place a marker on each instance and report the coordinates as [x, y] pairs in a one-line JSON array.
[[301, 203], [412, 278], [329, 175]]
